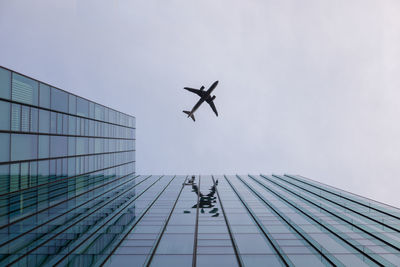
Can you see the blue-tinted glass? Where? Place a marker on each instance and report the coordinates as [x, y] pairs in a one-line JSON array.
[[44, 121], [24, 89], [72, 104], [25, 118], [71, 146], [5, 83], [72, 125], [43, 171], [58, 146], [44, 96], [5, 147], [53, 122], [82, 107], [91, 110], [65, 124], [34, 119], [99, 112], [16, 117], [44, 146], [4, 180], [59, 100], [23, 146], [14, 177], [59, 123], [4, 115]]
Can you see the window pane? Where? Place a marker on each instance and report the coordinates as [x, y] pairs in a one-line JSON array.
[[25, 118], [5, 83], [44, 146], [23, 146], [43, 171], [59, 100], [44, 100], [24, 89], [58, 146], [44, 121], [72, 104], [34, 119], [82, 106], [16, 117], [91, 110], [5, 147], [4, 115], [72, 125], [4, 180]]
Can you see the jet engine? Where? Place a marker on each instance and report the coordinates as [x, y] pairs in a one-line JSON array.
[[212, 98], [202, 88]]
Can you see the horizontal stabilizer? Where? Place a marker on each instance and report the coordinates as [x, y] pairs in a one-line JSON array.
[[188, 113]]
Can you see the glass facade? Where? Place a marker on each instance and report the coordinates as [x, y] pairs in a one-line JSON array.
[[67, 173], [69, 196]]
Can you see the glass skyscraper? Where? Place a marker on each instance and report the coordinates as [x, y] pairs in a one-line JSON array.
[[69, 195], [67, 166]]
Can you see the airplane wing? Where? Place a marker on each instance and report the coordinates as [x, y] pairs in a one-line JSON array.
[[196, 91], [211, 103]]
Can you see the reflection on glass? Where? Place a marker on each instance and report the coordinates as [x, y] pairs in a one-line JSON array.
[[24, 90], [4, 115]]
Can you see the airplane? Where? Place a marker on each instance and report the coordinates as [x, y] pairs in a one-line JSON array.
[[204, 96]]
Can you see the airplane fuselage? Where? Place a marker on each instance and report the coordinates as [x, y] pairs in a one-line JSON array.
[[206, 97]]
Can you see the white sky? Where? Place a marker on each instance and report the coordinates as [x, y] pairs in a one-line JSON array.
[[306, 87]]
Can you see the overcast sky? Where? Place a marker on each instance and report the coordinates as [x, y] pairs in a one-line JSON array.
[[307, 87]]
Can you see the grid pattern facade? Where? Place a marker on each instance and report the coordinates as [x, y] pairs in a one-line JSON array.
[[255, 220], [66, 164]]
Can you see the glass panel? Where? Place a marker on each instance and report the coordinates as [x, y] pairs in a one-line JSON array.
[[44, 141], [58, 146], [14, 177], [59, 100], [91, 110], [25, 118], [24, 89], [44, 95], [72, 125], [4, 115], [82, 107], [16, 117], [34, 119], [23, 146], [99, 112], [5, 83], [44, 121], [4, 180], [72, 104], [5, 147]]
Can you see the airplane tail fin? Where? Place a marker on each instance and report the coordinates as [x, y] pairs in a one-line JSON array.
[[188, 113]]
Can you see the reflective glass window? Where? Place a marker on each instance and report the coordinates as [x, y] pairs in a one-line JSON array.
[[25, 118], [23, 146], [44, 121], [14, 177], [5, 83], [53, 122], [16, 117], [44, 149], [34, 120], [99, 112], [71, 146], [58, 146], [44, 96], [72, 125], [43, 171], [91, 110], [5, 108], [82, 107], [59, 123], [59, 100], [24, 89], [5, 147], [4, 180], [72, 104]]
